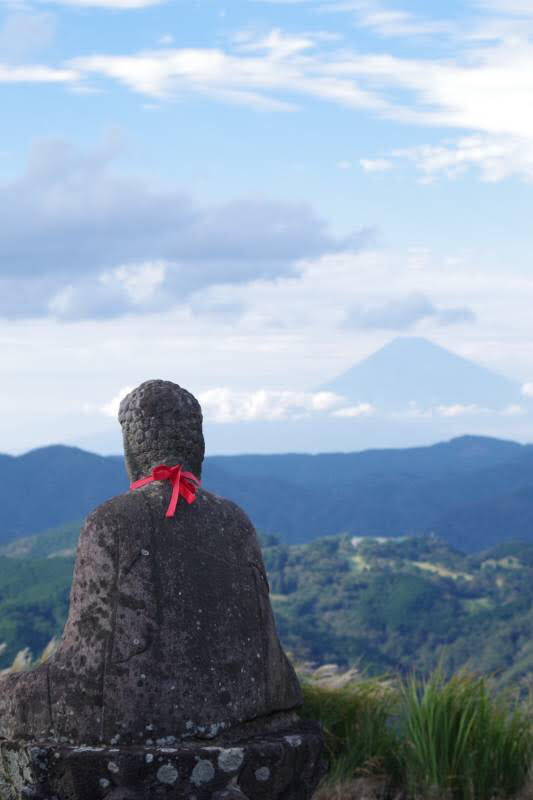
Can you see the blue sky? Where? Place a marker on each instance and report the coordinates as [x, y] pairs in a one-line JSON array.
[[249, 197]]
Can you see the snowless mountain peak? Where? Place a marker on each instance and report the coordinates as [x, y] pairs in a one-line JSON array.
[[413, 371]]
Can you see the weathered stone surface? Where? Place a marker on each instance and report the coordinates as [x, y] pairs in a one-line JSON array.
[[170, 635], [270, 768]]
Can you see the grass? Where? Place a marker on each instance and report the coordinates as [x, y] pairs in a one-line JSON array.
[[452, 739], [359, 739]]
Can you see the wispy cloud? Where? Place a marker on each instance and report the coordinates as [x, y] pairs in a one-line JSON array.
[[496, 157], [482, 89], [359, 410], [375, 164], [379, 18], [390, 23], [36, 74], [461, 410], [259, 73], [513, 410]]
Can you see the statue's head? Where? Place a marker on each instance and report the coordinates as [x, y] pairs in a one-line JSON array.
[[161, 424]]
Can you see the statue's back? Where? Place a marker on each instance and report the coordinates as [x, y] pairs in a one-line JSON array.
[[177, 633]]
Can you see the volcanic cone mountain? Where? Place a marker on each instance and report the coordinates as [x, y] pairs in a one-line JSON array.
[[413, 370]]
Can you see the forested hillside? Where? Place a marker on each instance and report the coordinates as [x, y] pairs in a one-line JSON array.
[[34, 595], [384, 605], [404, 604]]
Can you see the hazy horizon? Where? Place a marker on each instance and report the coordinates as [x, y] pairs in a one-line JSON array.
[[416, 394]]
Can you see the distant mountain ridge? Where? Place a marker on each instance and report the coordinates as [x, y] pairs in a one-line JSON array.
[[52, 485], [472, 491]]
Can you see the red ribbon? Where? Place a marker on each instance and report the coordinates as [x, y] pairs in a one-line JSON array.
[[184, 484]]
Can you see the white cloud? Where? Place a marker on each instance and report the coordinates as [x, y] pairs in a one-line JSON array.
[[496, 157], [110, 409], [513, 410], [278, 45], [325, 401], [139, 281], [226, 405], [61, 304], [344, 164], [387, 22], [127, 288], [460, 410], [483, 88], [402, 23], [360, 410], [375, 164], [36, 74], [527, 389]]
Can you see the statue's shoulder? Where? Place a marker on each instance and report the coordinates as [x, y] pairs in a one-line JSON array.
[[123, 509], [219, 514], [222, 508]]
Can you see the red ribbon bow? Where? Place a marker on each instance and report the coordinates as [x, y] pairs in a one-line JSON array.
[[184, 484]]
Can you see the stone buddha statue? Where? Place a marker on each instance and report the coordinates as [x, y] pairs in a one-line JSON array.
[[169, 679], [170, 631]]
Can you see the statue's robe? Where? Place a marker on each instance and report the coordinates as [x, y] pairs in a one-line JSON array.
[[170, 631]]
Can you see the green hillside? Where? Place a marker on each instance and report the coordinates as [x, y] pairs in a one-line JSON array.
[[385, 605], [61, 541], [401, 604], [34, 594]]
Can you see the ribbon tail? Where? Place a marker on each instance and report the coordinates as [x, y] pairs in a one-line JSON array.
[[188, 492], [188, 476], [175, 495]]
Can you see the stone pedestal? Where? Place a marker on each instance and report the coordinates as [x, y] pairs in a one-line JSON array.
[[285, 765]]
